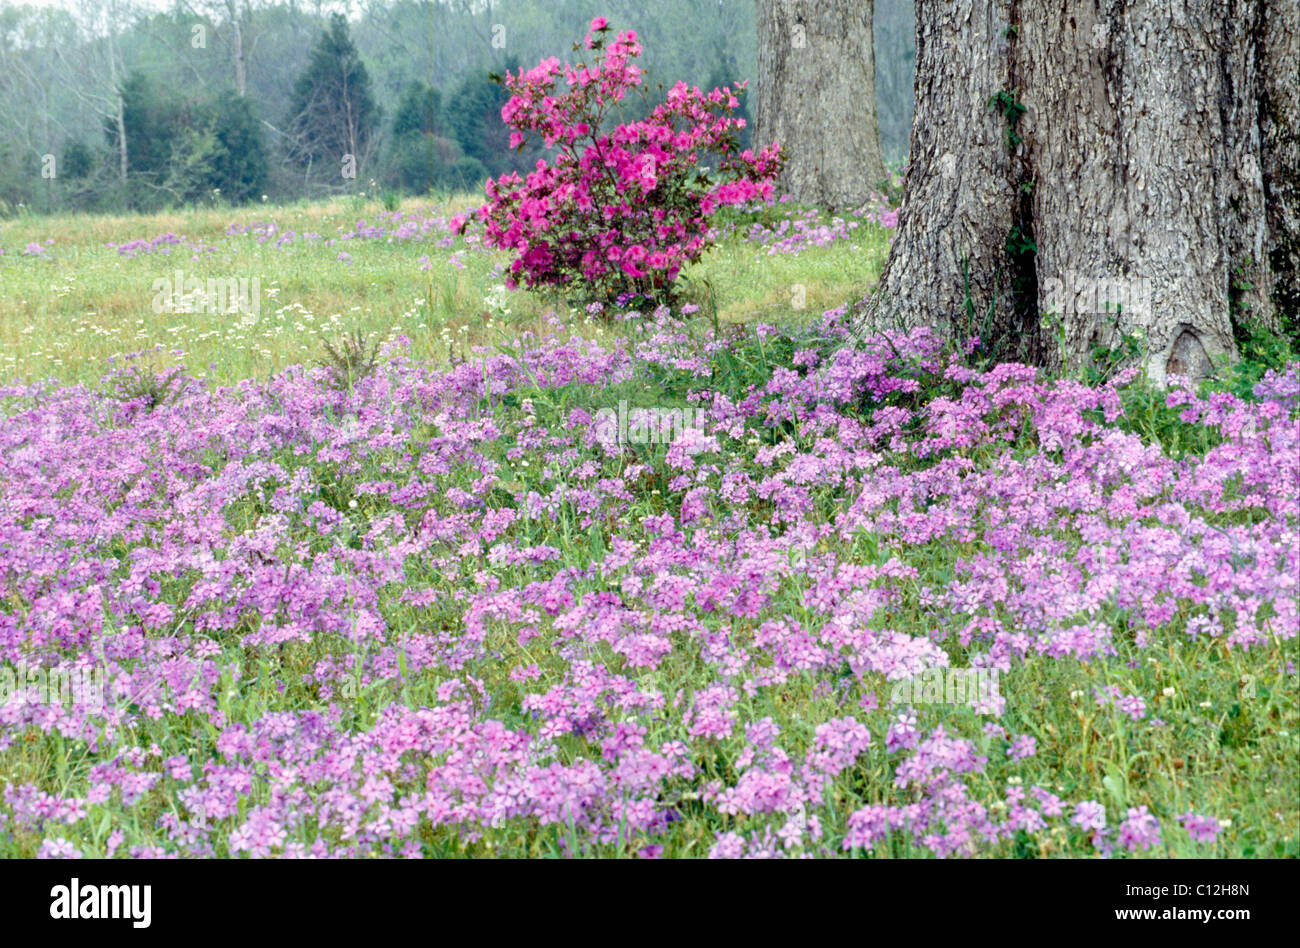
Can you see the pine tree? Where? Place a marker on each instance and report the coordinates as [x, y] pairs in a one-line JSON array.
[[333, 115], [239, 164], [419, 155]]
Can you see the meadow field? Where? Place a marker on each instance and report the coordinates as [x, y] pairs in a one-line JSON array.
[[389, 560], [80, 290]]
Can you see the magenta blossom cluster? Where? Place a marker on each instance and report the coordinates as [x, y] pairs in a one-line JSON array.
[[620, 210]]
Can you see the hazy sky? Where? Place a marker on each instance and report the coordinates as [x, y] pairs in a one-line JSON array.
[[151, 6], [140, 4], [69, 4]]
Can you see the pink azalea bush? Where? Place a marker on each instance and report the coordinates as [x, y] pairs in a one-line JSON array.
[[618, 211]]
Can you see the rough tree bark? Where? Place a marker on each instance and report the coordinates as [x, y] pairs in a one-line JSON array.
[[241, 80], [816, 60], [1128, 166], [1279, 124]]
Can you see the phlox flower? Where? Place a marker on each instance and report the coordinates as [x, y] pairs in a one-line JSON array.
[[1202, 829]]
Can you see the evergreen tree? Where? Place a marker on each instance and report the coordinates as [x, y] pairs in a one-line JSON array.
[[474, 117], [420, 111], [333, 114], [182, 150], [78, 160], [145, 119], [239, 164], [420, 155]]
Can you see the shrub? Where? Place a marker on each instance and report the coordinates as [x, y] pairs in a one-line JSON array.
[[140, 385], [465, 172], [351, 361], [616, 212]]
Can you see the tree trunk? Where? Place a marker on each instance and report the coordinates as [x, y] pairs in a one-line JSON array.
[[120, 119], [816, 60], [948, 267], [119, 116], [1083, 171], [241, 81], [1277, 33]]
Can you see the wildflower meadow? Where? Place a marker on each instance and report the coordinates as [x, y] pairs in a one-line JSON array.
[[337, 529], [436, 608]]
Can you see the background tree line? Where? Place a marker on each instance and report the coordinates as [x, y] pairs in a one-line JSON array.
[[212, 101]]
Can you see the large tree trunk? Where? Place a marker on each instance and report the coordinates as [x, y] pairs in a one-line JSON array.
[[817, 97], [1278, 34], [1110, 164], [948, 267]]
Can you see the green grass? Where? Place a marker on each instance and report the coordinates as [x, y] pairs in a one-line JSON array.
[[65, 316]]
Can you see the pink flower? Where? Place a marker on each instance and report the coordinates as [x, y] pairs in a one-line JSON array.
[[623, 213], [1202, 829]]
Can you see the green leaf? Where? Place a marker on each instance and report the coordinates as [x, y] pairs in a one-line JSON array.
[[1114, 784]]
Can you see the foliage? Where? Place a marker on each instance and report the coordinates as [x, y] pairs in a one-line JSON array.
[[1012, 110], [333, 113], [352, 360], [239, 164], [78, 160], [1261, 351], [621, 211], [421, 157], [184, 150], [473, 113], [137, 384], [449, 613], [52, 61]]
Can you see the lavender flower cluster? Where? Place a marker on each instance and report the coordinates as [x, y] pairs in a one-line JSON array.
[[436, 613]]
